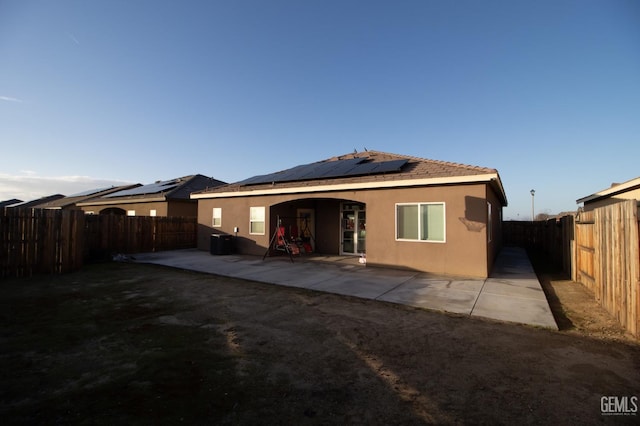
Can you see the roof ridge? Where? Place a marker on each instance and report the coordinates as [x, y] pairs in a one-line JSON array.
[[448, 163]]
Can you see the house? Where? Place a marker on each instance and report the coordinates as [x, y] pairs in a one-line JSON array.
[[161, 198], [629, 190], [71, 202], [400, 211]]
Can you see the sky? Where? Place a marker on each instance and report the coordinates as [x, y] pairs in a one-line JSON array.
[[106, 92]]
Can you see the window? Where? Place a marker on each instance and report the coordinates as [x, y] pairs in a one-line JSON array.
[[420, 222], [217, 217], [256, 220], [153, 212], [131, 212], [489, 220]]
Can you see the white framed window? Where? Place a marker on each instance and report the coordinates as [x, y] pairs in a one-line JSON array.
[[153, 212], [421, 222], [216, 220], [489, 223], [131, 212], [256, 220]]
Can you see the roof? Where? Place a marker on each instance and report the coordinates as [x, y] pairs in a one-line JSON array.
[[611, 191], [37, 203], [83, 196], [364, 170], [9, 203], [173, 189]]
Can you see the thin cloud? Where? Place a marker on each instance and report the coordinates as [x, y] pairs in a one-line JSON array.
[[30, 186], [73, 39], [10, 99]]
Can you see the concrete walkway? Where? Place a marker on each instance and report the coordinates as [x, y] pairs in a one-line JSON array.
[[512, 293]]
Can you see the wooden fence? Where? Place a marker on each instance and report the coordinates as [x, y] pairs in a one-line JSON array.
[[607, 260], [599, 248], [553, 237], [40, 241], [109, 234], [57, 241]]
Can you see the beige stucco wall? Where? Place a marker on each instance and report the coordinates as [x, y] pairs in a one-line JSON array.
[[162, 208], [184, 208], [494, 244], [465, 251]]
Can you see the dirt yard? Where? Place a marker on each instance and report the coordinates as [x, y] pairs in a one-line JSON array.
[[140, 344]]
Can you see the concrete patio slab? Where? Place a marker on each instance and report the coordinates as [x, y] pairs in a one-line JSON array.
[[437, 298], [514, 309], [512, 293], [355, 285], [515, 289]]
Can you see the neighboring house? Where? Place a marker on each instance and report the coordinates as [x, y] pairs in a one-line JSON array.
[[71, 202], [36, 204], [629, 190], [401, 211], [162, 198], [9, 203]]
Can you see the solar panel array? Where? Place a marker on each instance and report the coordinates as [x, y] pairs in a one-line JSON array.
[[89, 192], [152, 188], [329, 169]]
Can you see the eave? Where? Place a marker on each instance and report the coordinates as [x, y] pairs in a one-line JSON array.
[[121, 201], [493, 178]]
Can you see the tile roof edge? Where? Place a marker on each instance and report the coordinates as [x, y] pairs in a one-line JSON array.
[[449, 163]]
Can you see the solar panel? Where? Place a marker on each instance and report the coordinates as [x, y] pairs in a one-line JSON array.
[[302, 172], [383, 167], [328, 169], [90, 192], [152, 188], [294, 173], [312, 171], [340, 168]]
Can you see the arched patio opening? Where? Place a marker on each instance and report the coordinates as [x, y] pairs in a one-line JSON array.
[[114, 211], [331, 226]]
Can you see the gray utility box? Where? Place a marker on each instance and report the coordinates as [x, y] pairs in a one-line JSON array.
[[221, 244]]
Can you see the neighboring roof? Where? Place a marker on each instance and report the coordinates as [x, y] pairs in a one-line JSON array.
[[364, 170], [37, 203], [9, 203], [611, 191], [174, 189], [84, 196]]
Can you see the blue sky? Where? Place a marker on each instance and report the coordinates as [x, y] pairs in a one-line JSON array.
[[106, 91]]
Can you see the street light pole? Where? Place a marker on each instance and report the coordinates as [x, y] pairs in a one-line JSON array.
[[533, 192]]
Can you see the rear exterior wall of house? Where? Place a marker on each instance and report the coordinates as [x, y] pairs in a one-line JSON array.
[[469, 248]]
